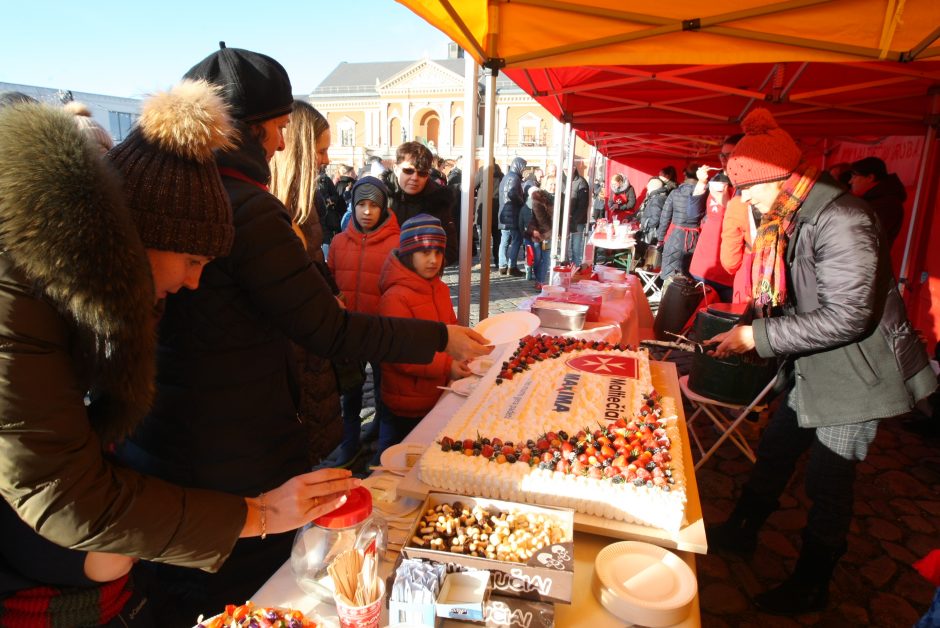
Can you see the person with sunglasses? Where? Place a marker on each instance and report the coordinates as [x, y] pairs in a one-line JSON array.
[[411, 192]]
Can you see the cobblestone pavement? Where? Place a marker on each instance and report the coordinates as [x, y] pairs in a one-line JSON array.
[[897, 521]]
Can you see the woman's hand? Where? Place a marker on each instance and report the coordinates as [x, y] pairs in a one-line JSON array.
[[465, 344], [739, 339], [298, 501], [459, 369], [102, 567]]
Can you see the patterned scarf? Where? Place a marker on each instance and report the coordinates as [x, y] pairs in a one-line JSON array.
[[768, 271]]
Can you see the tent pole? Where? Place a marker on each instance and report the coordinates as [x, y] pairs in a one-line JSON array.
[[486, 190], [928, 155], [471, 99], [566, 210], [560, 135]]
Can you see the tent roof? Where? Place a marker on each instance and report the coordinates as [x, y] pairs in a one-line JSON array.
[[549, 33], [634, 83], [630, 110]]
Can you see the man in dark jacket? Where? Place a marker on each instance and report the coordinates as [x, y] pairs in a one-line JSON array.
[[493, 207], [344, 184], [828, 305], [580, 200], [884, 193], [511, 201], [226, 411], [411, 192], [329, 205]]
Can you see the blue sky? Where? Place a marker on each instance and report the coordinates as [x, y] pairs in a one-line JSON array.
[[132, 48]]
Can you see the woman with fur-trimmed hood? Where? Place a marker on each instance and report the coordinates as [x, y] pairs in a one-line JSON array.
[[82, 263]]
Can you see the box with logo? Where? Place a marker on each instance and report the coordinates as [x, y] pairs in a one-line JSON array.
[[528, 549]]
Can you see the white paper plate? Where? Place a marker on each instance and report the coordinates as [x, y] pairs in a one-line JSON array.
[[481, 365], [464, 386], [643, 583], [507, 327], [402, 455]]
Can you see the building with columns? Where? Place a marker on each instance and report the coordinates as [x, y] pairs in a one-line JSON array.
[[374, 107]]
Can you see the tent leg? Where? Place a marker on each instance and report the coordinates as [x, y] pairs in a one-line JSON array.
[[569, 186], [928, 156], [468, 176], [561, 133], [486, 191]]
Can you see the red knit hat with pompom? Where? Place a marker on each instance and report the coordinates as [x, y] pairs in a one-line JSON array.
[[765, 153]]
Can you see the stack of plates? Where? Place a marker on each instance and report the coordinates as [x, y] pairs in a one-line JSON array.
[[643, 584]]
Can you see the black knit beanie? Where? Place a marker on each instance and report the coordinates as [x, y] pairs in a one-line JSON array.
[[171, 181], [255, 86]]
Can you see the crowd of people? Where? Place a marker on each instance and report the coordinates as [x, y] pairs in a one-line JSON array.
[[157, 302], [188, 318]]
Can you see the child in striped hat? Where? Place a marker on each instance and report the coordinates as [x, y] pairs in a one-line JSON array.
[[411, 287]]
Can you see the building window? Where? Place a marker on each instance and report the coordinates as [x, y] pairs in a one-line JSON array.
[[529, 126], [458, 132], [347, 132], [121, 123]]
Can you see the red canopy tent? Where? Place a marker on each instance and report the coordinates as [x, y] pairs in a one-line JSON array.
[[671, 82]]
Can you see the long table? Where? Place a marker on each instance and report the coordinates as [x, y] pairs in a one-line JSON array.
[[591, 533]]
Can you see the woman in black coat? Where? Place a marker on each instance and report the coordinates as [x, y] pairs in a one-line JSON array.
[[678, 226]]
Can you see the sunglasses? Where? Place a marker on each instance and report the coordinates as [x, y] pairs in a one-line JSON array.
[[421, 173]]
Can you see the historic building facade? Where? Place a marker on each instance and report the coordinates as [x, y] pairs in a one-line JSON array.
[[374, 107]]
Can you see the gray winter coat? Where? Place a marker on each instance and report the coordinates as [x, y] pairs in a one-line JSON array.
[[856, 356]]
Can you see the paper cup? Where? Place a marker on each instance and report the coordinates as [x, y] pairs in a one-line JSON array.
[[361, 616]]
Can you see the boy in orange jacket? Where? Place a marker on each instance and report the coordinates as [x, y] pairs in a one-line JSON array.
[[355, 258], [412, 288]]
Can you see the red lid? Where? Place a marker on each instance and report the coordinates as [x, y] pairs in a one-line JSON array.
[[357, 509]]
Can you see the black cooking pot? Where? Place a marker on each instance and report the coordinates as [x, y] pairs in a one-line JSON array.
[[736, 379]]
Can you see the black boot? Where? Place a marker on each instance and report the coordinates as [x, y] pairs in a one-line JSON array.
[[807, 590], [739, 533]]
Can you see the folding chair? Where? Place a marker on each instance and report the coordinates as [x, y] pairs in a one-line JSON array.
[[727, 426], [651, 287]]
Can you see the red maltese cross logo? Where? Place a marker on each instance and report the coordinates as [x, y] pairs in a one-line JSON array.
[[605, 364]]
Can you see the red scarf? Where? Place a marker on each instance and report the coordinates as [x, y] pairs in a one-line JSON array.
[[768, 269]]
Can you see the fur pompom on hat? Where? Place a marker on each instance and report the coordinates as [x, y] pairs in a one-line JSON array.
[[171, 180], [765, 153], [255, 86], [421, 232]]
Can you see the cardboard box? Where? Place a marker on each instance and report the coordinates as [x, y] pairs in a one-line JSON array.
[[464, 595], [509, 612], [547, 576]]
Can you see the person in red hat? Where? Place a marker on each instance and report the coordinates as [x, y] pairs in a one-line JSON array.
[[826, 304]]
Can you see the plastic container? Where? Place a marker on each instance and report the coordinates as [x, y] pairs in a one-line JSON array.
[[564, 316], [548, 290], [618, 290], [353, 525], [562, 276]]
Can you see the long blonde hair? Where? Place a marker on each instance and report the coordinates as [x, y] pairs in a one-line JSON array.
[[294, 170]]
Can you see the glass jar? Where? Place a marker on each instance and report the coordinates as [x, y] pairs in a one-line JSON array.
[[352, 525]]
